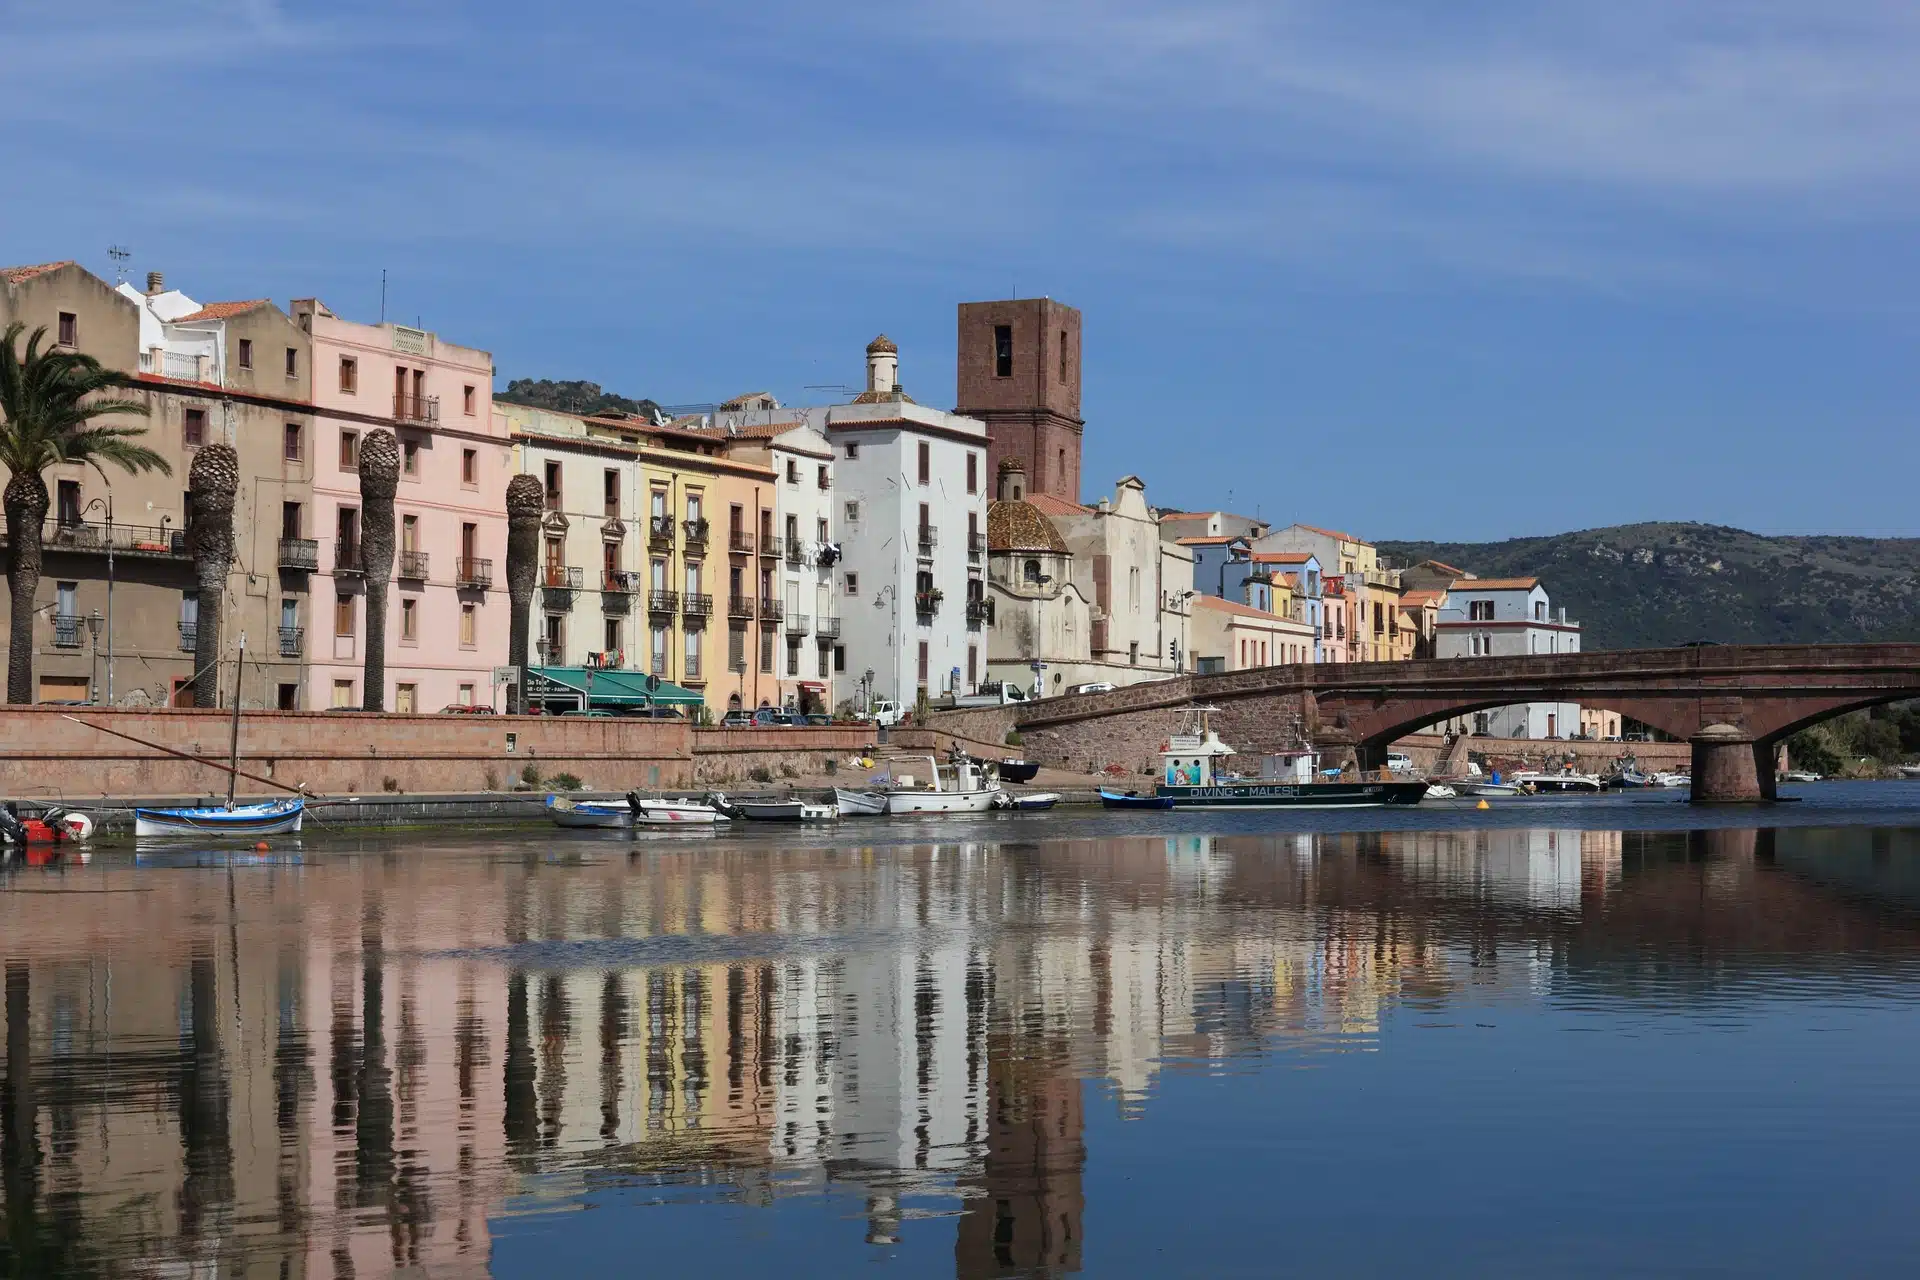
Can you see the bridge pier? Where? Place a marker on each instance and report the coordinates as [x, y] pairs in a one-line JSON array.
[[1727, 768]]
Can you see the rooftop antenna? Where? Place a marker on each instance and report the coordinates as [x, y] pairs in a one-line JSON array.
[[383, 295], [119, 254]]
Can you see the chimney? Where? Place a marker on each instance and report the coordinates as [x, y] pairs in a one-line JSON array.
[[883, 366], [156, 283]]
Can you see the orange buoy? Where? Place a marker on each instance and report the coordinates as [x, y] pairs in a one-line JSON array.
[[1483, 805], [261, 847]]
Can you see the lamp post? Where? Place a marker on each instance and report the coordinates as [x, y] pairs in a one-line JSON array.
[[106, 504], [93, 631]]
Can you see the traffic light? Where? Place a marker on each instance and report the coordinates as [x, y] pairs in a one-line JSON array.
[[1173, 650]]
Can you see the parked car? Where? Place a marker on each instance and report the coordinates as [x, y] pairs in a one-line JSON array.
[[886, 711], [1092, 686], [737, 720], [774, 717], [466, 709], [819, 718]]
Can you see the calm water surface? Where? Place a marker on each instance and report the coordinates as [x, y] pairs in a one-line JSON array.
[[1568, 1038]]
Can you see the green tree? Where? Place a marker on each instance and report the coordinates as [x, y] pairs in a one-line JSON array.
[[49, 401]]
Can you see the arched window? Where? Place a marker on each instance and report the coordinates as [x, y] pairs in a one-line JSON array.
[[1032, 570]]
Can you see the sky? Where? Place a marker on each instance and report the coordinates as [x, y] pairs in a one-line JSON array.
[[1466, 271]]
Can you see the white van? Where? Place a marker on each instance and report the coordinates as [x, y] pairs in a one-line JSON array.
[[1092, 686], [1399, 762]]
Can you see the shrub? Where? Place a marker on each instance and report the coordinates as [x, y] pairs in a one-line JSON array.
[[788, 771], [389, 784], [760, 773], [1014, 739], [564, 782], [492, 780], [531, 775]]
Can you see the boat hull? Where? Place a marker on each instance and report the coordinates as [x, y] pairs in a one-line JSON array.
[[1037, 801], [1484, 788], [860, 804], [666, 814], [786, 811], [1132, 800], [1293, 795], [588, 813], [939, 802], [1017, 770], [278, 817]]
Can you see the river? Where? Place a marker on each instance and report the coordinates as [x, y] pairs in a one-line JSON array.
[[1571, 1037]]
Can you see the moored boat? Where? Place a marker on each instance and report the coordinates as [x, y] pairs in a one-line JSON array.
[[1543, 783], [860, 804], [680, 812], [1132, 800], [959, 786], [789, 810], [1440, 791], [567, 812], [267, 818], [1036, 801], [1192, 777], [1482, 787], [1017, 770]]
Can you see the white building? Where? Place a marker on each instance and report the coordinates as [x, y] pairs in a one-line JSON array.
[[1508, 618], [1140, 585]]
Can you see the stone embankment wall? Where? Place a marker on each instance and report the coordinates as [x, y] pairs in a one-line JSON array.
[[1131, 740], [1509, 755], [44, 754], [731, 757]]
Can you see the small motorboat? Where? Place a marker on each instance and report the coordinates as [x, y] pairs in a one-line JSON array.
[[1543, 783], [53, 826], [860, 804], [680, 812], [267, 818], [1800, 775], [1440, 791], [1017, 770], [789, 810], [1672, 781], [1133, 800], [1910, 770], [589, 813], [1036, 801]]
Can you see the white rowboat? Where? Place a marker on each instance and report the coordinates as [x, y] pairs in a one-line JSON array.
[[267, 818], [860, 804]]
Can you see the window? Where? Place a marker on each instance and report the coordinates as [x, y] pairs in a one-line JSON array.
[[693, 578], [68, 506], [553, 486], [556, 640], [973, 473], [853, 513], [343, 615], [288, 698], [194, 428], [405, 698], [793, 657], [926, 463], [1002, 357], [826, 662], [793, 532], [290, 520], [1063, 355], [923, 662], [1133, 588], [696, 507], [820, 529], [293, 362], [1540, 611], [349, 450], [1060, 468], [409, 619], [1480, 611], [465, 697], [691, 668], [466, 401], [973, 664], [349, 375], [839, 657], [610, 493], [470, 467], [69, 329], [825, 479], [793, 472], [469, 624], [342, 694], [736, 649], [1133, 654], [410, 457], [766, 650], [610, 637], [853, 584], [409, 533], [295, 447], [853, 449], [246, 353]]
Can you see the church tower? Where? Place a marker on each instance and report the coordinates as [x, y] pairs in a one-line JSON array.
[[1019, 372]]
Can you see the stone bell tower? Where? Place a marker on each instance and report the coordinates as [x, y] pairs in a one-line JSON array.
[[1019, 372]]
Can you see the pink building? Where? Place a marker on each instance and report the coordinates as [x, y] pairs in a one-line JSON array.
[[447, 612]]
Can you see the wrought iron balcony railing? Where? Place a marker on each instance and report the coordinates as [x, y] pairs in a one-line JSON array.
[[189, 636], [561, 577], [797, 624], [976, 546], [770, 546], [693, 605], [663, 601], [929, 539], [619, 580], [696, 531], [739, 607], [660, 530], [302, 554], [473, 573], [84, 536], [420, 410], [740, 542], [346, 556], [67, 628], [770, 610], [412, 564], [825, 628], [292, 641]]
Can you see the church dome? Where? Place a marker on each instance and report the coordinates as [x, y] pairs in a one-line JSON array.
[[1020, 526], [882, 345]]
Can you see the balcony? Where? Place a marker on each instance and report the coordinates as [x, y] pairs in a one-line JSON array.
[[472, 574], [927, 603], [292, 641], [616, 600], [619, 580], [413, 564], [67, 628], [798, 624], [825, 628], [739, 542], [769, 546], [739, 607], [657, 665], [690, 670], [770, 610], [660, 531], [796, 553], [696, 609], [696, 532], [420, 411], [666, 602], [561, 582], [301, 554], [189, 636], [929, 539], [979, 613], [346, 557], [85, 537], [976, 547]]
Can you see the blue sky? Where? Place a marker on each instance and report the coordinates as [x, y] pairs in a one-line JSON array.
[[1456, 271]]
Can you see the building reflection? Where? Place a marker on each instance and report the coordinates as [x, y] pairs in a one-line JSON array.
[[356, 1066]]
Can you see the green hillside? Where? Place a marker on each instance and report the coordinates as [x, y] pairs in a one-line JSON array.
[[1640, 585]]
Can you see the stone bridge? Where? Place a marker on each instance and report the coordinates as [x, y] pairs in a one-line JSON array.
[[1733, 703]]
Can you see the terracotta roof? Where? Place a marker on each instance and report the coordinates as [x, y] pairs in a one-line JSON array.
[[1333, 533], [1283, 557], [1498, 584], [754, 431], [1055, 506], [1423, 597], [743, 401], [882, 344], [882, 397], [1198, 541], [1443, 566], [221, 310], [1240, 610], [14, 275], [1020, 526]]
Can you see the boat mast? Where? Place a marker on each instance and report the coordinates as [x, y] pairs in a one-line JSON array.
[[233, 744]]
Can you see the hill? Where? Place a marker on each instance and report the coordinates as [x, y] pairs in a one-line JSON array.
[[573, 397], [1640, 585]]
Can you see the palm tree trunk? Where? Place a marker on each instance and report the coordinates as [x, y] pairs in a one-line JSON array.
[[526, 500], [212, 482], [379, 482], [26, 503]]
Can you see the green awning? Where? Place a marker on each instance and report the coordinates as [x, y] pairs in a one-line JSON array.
[[594, 688]]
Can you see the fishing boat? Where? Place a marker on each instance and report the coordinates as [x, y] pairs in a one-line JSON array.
[[860, 804], [959, 786], [789, 810], [680, 812], [1564, 783], [1192, 777], [1017, 770], [1132, 800], [266, 818], [566, 812]]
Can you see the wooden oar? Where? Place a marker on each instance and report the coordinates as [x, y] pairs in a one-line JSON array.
[[214, 764]]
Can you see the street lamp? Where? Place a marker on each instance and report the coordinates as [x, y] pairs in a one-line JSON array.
[[106, 504], [93, 633]]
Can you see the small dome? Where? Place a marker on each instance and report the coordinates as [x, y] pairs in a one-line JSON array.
[[882, 345], [1020, 526], [1012, 464]]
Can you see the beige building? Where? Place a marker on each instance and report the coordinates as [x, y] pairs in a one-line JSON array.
[[1140, 585], [1039, 624], [117, 597], [1366, 611], [1230, 636]]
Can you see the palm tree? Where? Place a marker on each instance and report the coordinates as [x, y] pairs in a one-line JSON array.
[[48, 403], [212, 483], [526, 500], [379, 481]]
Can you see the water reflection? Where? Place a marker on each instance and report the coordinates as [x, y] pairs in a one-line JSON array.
[[361, 1063]]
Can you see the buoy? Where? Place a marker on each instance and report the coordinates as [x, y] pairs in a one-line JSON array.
[[261, 847], [1483, 805]]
